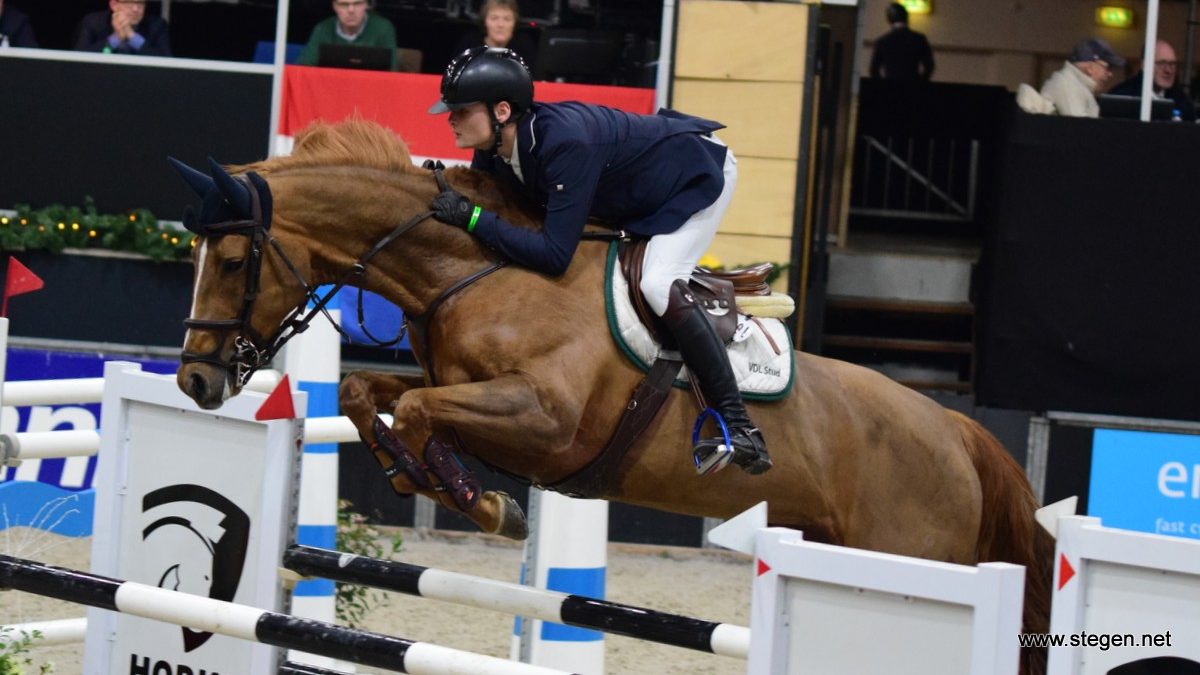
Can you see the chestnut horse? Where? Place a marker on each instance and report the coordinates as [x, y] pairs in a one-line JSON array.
[[529, 380]]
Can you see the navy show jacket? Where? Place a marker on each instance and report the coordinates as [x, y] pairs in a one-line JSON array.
[[646, 174]]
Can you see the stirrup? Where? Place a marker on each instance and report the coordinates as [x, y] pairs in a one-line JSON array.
[[711, 455]]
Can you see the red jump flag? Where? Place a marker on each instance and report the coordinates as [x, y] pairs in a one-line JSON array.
[[20, 280], [278, 405]]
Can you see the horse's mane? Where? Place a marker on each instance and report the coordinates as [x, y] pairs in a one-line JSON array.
[[354, 142]]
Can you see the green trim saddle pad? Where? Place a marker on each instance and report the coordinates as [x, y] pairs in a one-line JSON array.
[[762, 374]]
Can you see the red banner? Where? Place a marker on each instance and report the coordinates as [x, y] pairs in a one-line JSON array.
[[400, 101]]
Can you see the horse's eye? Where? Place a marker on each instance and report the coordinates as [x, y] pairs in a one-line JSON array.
[[230, 266]]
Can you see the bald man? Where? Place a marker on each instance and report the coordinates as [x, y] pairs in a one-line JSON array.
[[1166, 66]]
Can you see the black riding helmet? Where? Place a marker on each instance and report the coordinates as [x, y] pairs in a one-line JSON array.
[[486, 75]]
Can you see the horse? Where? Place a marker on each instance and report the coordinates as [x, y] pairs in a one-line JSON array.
[[519, 369]]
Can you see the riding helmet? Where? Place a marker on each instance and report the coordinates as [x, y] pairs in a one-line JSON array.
[[486, 75]]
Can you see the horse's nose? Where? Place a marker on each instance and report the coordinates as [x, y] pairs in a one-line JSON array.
[[198, 388]]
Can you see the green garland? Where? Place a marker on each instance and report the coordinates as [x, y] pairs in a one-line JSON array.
[[56, 227]]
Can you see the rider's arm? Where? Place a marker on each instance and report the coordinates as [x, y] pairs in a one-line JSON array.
[[571, 175]]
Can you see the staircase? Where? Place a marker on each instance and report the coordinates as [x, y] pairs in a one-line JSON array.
[[903, 308]]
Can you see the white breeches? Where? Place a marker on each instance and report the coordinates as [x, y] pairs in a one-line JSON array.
[[672, 255]]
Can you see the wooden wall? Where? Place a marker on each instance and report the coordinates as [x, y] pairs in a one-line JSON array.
[[743, 64]]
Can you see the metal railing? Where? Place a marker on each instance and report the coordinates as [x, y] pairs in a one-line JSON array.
[[927, 179]]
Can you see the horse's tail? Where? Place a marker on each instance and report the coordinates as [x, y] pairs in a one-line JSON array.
[[1008, 531]]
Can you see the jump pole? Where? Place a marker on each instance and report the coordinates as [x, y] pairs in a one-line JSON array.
[[249, 623], [573, 610]]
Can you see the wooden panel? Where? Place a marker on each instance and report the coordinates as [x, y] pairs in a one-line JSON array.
[[763, 118], [722, 40], [764, 199]]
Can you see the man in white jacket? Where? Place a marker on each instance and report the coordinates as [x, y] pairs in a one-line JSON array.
[[1072, 88]]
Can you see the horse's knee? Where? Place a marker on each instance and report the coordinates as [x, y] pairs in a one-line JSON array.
[[354, 395]]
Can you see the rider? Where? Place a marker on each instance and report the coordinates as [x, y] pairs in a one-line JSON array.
[[662, 176]]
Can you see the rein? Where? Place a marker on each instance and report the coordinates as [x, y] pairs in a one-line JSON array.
[[249, 354]]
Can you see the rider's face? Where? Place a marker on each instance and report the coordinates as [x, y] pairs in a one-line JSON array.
[[472, 127]]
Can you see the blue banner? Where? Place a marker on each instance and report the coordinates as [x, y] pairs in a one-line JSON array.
[[55, 494], [1146, 481]]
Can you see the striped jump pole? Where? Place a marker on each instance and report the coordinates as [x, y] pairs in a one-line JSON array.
[[250, 623], [572, 610], [294, 668]]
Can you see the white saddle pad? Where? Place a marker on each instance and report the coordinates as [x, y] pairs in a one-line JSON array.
[[761, 351]]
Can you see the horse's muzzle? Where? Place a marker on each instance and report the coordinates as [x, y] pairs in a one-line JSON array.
[[205, 384]]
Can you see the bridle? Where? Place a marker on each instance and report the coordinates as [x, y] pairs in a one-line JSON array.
[[250, 350]]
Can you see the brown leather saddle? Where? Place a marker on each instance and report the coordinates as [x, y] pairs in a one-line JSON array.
[[715, 291]]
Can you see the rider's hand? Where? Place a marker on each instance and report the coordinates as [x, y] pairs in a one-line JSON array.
[[455, 209]]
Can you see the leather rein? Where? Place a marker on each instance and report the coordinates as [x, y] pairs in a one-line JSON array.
[[251, 351]]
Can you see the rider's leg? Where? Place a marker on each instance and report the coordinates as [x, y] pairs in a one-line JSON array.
[[668, 263]]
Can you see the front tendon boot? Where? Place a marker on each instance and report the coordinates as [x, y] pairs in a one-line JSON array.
[[705, 357], [457, 480]]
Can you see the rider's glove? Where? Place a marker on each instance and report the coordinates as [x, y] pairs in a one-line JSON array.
[[454, 208]]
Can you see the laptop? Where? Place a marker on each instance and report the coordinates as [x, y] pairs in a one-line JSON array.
[[354, 56], [1130, 107]]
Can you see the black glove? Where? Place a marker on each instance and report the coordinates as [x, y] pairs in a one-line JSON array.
[[453, 208]]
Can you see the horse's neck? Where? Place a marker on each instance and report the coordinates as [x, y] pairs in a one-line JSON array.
[[341, 220]]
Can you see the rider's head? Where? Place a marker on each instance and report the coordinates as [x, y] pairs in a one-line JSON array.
[[487, 76]]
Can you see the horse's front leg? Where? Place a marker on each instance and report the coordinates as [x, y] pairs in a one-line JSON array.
[[506, 411], [362, 395]]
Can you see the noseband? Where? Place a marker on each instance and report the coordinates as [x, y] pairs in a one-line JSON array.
[[250, 350]]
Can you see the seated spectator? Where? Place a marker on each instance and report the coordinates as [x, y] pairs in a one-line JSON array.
[[15, 30], [124, 28], [498, 28], [1165, 67], [1072, 88], [351, 24]]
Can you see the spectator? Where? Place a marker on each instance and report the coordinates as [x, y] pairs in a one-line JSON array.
[[15, 30], [1072, 88], [352, 24], [124, 28], [1165, 67], [498, 28], [902, 53]]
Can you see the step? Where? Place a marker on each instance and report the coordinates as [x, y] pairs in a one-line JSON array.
[[898, 344], [900, 276], [897, 306]]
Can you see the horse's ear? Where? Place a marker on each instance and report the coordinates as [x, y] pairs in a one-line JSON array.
[[199, 182], [234, 192]]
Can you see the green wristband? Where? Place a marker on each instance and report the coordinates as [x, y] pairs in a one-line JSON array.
[[474, 219]]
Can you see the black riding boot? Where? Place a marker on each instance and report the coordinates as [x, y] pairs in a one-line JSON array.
[[705, 356]]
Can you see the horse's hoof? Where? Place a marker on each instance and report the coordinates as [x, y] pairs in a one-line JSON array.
[[512, 519]]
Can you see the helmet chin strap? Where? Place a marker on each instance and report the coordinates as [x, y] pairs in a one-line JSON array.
[[496, 126]]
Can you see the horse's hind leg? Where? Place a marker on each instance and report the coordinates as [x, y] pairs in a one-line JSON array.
[[362, 396]]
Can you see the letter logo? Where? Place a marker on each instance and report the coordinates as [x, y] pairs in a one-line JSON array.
[[195, 543]]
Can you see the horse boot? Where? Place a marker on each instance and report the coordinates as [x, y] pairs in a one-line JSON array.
[[388, 447], [706, 358], [457, 479]]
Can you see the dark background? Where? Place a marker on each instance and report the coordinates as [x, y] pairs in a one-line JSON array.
[[1089, 284], [71, 130]]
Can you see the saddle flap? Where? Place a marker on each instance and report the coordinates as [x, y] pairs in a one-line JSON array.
[[715, 295]]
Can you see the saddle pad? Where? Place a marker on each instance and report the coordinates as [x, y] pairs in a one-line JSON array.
[[762, 374]]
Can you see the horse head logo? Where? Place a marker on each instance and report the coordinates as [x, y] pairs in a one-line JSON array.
[[195, 543]]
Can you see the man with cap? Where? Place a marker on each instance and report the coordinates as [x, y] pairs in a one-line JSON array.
[[1073, 87], [661, 176]]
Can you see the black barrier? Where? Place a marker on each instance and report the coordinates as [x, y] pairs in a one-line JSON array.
[[74, 129], [1088, 282]]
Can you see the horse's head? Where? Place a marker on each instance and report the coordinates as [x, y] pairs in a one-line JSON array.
[[242, 292]]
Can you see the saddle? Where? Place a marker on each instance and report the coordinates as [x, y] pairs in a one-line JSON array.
[[716, 292]]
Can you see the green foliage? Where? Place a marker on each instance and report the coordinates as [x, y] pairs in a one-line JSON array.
[[14, 652], [56, 227], [356, 535]]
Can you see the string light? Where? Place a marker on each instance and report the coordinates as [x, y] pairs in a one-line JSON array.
[[4, 220], [91, 233], [174, 240], [24, 222], [75, 227], [133, 218], [62, 226]]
